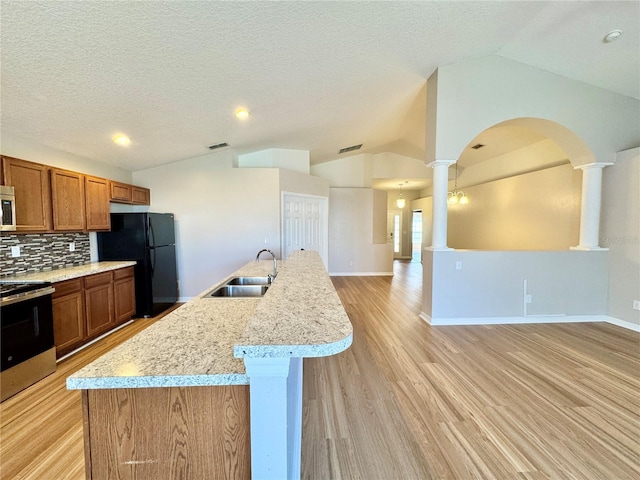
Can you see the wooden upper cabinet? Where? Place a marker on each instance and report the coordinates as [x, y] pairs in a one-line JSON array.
[[33, 193], [120, 192], [68, 200], [140, 195], [97, 196], [130, 194]]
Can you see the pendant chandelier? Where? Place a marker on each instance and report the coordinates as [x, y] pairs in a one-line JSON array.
[[457, 196], [400, 202]]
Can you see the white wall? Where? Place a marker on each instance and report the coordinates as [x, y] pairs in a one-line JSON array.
[[535, 211], [473, 95], [296, 160], [620, 233], [223, 215], [296, 182], [352, 250], [352, 171], [488, 286], [392, 165]]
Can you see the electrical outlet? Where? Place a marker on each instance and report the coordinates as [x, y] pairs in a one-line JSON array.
[[15, 251], [72, 246], [458, 265], [351, 263], [266, 240], [527, 298], [636, 304]]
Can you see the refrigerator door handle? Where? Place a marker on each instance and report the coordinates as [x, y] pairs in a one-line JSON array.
[[153, 261], [152, 237]]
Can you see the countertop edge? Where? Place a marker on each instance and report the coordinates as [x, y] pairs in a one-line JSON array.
[[284, 351], [159, 381]]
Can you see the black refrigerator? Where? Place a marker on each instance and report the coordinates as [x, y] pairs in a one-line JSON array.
[[149, 239]]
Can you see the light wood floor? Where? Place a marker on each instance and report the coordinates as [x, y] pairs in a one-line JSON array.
[[407, 401]]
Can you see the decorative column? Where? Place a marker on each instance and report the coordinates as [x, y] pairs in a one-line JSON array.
[[439, 212], [590, 209], [275, 389]]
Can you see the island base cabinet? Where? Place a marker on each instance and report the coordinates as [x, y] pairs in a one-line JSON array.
[[168, 433]]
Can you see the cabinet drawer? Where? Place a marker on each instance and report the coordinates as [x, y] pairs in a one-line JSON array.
[[67, 287], [97, 279], [122, 273]]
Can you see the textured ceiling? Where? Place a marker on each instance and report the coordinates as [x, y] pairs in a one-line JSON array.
[[316, 76]]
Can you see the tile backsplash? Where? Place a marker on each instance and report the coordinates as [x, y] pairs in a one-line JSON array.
[[42, 251]]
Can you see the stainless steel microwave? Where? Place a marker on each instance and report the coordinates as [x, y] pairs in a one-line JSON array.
[[8, 202]]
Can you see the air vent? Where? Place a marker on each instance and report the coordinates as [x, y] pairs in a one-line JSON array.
[[350, 149], [477, 146], [218, 145]]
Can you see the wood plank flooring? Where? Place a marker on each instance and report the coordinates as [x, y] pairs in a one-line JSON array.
[[408, 401]]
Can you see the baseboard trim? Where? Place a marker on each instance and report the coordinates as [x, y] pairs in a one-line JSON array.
[[530, 319], [361, 274], [624, 324]]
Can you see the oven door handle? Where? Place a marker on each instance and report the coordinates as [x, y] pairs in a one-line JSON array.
[[27, 296]]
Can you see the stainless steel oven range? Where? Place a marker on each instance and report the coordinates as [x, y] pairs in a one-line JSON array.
[[27, 347]]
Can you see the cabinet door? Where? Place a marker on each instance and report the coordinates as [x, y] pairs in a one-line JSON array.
[[97, 203], [140, 195], [33, 193], [68, 316], [120, 192], [98, 299], [124, 293], [67, 193], [68, 323]]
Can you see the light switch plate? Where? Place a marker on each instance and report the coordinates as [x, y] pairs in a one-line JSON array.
[[72, 246], [636, 304], [15, 251]]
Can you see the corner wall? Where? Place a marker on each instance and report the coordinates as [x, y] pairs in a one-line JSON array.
[[223, 215], [620, 233], [352, 250]]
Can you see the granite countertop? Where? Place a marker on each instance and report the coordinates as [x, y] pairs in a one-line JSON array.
[[201, 342], [67, 273]]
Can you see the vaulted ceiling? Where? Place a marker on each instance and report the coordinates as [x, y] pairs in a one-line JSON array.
[[315, 76]]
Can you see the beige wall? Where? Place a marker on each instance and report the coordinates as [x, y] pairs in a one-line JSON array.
[[535, 211], [352, 250], [620, 233]]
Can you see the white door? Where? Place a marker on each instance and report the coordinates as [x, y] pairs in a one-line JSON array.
[[394, 231], [305, 224]]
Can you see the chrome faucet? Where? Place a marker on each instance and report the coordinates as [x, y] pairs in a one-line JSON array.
[[275, 263]]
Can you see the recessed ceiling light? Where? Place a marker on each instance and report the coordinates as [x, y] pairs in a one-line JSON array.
[[242, 113], [121, 139], [612, 36]]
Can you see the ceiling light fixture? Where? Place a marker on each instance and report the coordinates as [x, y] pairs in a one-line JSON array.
[[457, 197], [400, 202], [612, 36], [242, 113], [121, 139]]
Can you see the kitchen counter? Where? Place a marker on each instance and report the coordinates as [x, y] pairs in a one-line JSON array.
[[67, 273], [201, 343], [226, 370]]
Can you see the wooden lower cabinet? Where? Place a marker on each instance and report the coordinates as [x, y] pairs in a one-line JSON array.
[[124, 294], [68, 316], [85, 308], [99, 304], [168, 433]]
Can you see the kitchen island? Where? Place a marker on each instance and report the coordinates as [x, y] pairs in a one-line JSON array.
[[214, 389]]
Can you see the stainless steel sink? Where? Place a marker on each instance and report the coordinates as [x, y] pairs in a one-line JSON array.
[[239, 291], [249, 281]]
